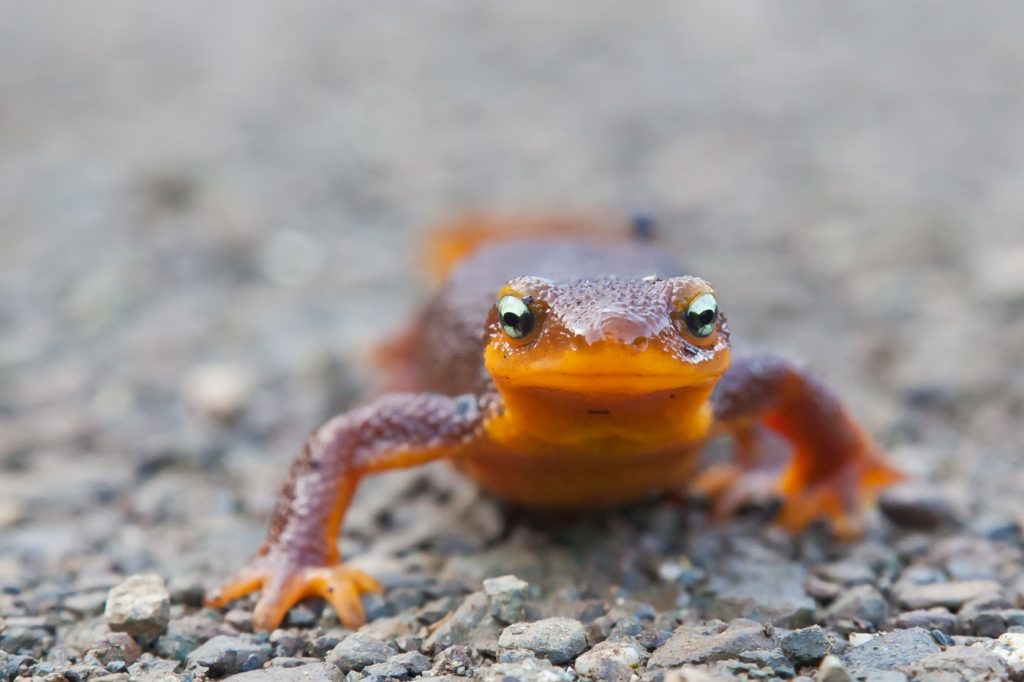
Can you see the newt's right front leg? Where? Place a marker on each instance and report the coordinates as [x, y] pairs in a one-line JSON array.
[[299, 557]]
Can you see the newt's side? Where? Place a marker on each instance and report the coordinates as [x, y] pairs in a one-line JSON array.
[[562, 370]]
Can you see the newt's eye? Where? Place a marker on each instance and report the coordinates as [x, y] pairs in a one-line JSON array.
[[515, 315], [702, 315]]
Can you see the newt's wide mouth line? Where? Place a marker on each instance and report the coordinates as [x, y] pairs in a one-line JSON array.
[[625, 382]]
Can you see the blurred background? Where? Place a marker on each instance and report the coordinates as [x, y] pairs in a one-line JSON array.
[[209, 215]]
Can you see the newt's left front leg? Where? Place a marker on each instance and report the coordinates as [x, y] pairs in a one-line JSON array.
[[299, 557], [834, 469]]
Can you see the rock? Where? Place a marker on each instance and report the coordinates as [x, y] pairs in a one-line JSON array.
[[324, 644], [608, 670], [455, 660], [184, 635], [891, 650], [807, 646], [957, 664], [917, 505], [773, 660], [764, 592], [115, 646], [508, 597], [559, 640], [139, 606], [952, 595], [691, 645], [149, 669], [527, 670], [1010, 648], [470, 622], [938, 618], [859, 608], [357, 651], [402, 666], [225, 655], [624, 653], [313, 672], [217, 391], [997, 528], [301, 616], [833, 670], [846, 572]]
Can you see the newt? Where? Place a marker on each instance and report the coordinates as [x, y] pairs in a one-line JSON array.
[[565, 368]]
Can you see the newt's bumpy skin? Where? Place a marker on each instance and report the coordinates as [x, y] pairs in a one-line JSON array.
[[560, 370]]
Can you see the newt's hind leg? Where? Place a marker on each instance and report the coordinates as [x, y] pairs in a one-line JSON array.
[[299, 557], [833, 470]]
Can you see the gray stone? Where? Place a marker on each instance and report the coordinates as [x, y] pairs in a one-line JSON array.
[[774, 660], [859, 608], [313, 672], [508, 598], [764, 592], [1010, 648], [402, 666], [891, 650], [952, 595], [357, 651], [938, 618], [225, 655], [140, 606], [559, 640], [590, 663], [807, 646], [833, 670], [692, 645], [960, 663], [526, 670], [917, 505], [115, 646], [455, 660], [471, 622]]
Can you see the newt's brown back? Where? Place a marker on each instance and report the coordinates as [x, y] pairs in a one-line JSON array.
[[448, 349]]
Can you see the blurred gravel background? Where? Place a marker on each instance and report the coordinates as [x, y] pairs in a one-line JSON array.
[[210, 213]]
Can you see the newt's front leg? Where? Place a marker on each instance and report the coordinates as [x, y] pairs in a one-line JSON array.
[[834, 469], [299, 557]]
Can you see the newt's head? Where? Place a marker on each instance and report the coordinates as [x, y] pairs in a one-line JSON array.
[[605, 353]]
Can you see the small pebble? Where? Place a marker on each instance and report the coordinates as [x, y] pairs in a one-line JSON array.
[[807, 646], [115, 646], [952, 594], [559, 640], [507, 597], [860, 608], [358, 651], [623, 653], [139, 606], [225, 655], [917, 505]]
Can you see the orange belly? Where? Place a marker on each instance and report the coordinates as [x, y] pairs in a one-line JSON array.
[[578, 480]]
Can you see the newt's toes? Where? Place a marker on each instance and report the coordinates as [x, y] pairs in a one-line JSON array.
[[842, 498], [283, 586], [341, 587]]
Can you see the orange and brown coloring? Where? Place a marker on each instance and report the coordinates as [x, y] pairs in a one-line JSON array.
[[560, 370]]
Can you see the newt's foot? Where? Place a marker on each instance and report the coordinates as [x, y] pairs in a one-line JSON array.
[[284, 583], [841, 497]]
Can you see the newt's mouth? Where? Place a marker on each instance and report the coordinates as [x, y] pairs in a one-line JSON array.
[[611, 370], [630, 383]]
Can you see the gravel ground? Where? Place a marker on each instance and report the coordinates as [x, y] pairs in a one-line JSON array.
[[209, 215]]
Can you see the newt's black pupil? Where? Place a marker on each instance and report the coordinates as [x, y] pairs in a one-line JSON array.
[[515, 315], [702, 315]]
